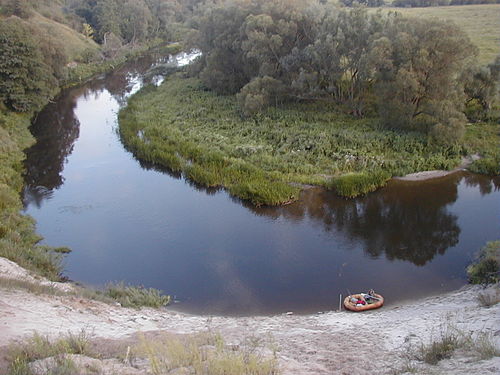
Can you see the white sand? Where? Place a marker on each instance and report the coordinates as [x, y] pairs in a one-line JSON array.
[[330, 343], [428, 175]]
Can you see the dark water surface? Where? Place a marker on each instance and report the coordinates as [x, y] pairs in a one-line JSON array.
[[127, 221]]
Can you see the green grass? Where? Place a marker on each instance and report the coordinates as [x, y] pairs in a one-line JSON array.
[[132, 296], [18, 240], [480, 22], [353, 184], [125, 295], [262, 159], [75, 44]]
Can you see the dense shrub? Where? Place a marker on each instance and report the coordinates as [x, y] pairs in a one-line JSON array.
[[486, 269], [489, 166], [26, 81]]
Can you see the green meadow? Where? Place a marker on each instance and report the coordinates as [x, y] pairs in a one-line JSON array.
[[266, 159]]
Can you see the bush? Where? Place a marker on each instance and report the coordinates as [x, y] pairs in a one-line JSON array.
[[489, 166], [26, 82], [485, 270]]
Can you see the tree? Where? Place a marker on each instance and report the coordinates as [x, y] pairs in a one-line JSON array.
[[225, 67], [259, 94], [418, 63], [134, 21]]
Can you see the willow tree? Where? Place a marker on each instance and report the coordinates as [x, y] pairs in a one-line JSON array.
[[419, 63]]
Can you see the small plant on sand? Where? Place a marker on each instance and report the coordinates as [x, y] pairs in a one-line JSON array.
[[440, 348], [486, 269], [489, 298], [479, 345], [132, 296]]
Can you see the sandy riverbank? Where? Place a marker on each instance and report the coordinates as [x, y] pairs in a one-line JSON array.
[[328, 343], [428, 175]]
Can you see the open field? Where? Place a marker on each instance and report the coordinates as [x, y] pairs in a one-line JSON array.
[[480, 22]]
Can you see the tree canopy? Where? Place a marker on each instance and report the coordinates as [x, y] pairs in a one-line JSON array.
[[408, 70]]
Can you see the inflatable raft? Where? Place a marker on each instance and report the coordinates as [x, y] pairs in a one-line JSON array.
[[354, 302]]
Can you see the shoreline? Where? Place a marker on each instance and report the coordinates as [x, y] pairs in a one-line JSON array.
[[308, 344], [429, 175]]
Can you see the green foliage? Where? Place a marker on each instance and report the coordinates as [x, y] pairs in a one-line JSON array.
[[272, 51], [489, 166], [189, 130], [18, 241], [353, 184], [26, 82], [480, 22], [130, 296], [259, 94], [417, 61], [486, 268]]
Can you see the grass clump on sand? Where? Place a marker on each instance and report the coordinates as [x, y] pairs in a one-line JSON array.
[[262, 159], [132, 296], [490, 298], [450, 339], [40, 347], [126, 296], [206, 354], [486, 268]]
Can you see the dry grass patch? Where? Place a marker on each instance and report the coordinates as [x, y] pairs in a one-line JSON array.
[[205, 354]]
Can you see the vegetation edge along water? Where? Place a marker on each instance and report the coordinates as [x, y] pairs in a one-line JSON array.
[[34, 66], [266, 158], [287, 93]]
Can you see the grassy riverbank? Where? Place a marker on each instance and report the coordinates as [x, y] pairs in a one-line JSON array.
[[19, 241], [182, 127]]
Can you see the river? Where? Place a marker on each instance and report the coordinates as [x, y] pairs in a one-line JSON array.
[[127, 221]]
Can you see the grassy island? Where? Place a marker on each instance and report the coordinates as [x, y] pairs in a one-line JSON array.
[[265, 158]]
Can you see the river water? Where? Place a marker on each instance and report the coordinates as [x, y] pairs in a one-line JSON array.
[[127, 221]]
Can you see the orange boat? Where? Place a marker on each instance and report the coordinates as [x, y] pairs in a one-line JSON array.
[[354, 302]]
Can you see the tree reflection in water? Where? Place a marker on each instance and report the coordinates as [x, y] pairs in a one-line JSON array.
[[407, 221], [56, 128]]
